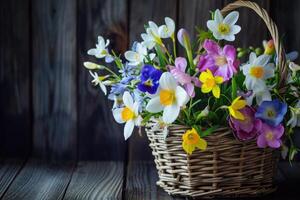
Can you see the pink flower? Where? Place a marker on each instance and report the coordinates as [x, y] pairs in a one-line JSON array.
[[270, 136], [248, 128], [222, 62], [182, 78]]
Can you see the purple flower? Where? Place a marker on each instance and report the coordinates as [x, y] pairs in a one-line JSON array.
[[149, 79], [222, 62], [248, 128], [270, 136], [182, 78], [271, 112]]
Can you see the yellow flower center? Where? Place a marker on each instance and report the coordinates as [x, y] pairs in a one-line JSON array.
[[192, 138], [269, 136], [103, 52], [167, 97], [137, 56], [101, 78], [127, 114], [148, 83], [223, 29], [210, 82], [257, 71], [271, 113], [220, 61]]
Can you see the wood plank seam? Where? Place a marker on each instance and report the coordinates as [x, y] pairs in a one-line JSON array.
[[15, 176]]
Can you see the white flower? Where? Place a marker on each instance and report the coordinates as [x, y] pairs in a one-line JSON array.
[[257, 71], [224, 28], [118, 101], [264, 95], [152, 36], [101, 50], [167, 30], [169, 98], [295, 116], [128, 115], [90, 65], [294, 67], [99, 80], [137, 57]]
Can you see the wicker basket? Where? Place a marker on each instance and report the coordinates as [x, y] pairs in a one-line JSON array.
[[228, 168]]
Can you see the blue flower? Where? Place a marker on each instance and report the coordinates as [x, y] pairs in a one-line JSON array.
[[271, 112], [149, 79], [117, 90], [127, 70]]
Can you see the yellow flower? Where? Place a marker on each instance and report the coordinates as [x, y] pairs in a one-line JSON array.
[[235, 106], [269, 47], [210, 83], [191, 140]]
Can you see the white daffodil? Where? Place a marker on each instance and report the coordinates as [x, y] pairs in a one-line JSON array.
[[152, 36], [167, 30], [100, 80], [128, 115], [294, 67], [101, 50], [169, 98], [257, 71], [90, 65], [295, 116], [224, 28], [138, 56]]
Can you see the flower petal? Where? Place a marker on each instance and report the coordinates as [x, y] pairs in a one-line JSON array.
[[181, 96], [117, 113], [128, 129], [231, 18], [212, 26], [202, 144], [127, 99], [235, 29], [261, 141], [218, 16], [262, 60], [167, 81], [216, 91], [171, 113], [154, 105]]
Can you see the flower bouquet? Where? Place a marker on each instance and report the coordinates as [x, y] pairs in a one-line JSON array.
[[214, 122]]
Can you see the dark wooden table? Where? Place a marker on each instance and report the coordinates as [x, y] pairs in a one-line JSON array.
[[32, 179]]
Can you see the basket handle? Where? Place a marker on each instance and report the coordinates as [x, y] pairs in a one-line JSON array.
[[273, 31]]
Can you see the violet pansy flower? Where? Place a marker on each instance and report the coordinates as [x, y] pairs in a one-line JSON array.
[[149, 79], [271, 112], [184, 79], [222, 62], [248, 128], [270, 136]]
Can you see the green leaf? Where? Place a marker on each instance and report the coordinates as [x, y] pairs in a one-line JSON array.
[[209, 131], [233, 88], [161, 56]]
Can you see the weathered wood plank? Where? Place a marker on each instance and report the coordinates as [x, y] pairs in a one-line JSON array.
[[96, 180], [141, 182], [54, 78], [14, 78], [100, 137], [40, 180], [141, 13], [9, 169], [286, 15]]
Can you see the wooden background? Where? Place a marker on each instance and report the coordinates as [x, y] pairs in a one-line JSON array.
[[49, 109]]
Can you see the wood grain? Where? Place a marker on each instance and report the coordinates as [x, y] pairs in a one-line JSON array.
[[54, 78], [9, 169], [140, 13], [100, 137], [40, 180], [141, 182], [96, 180], [286, 15], [15, 112]]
